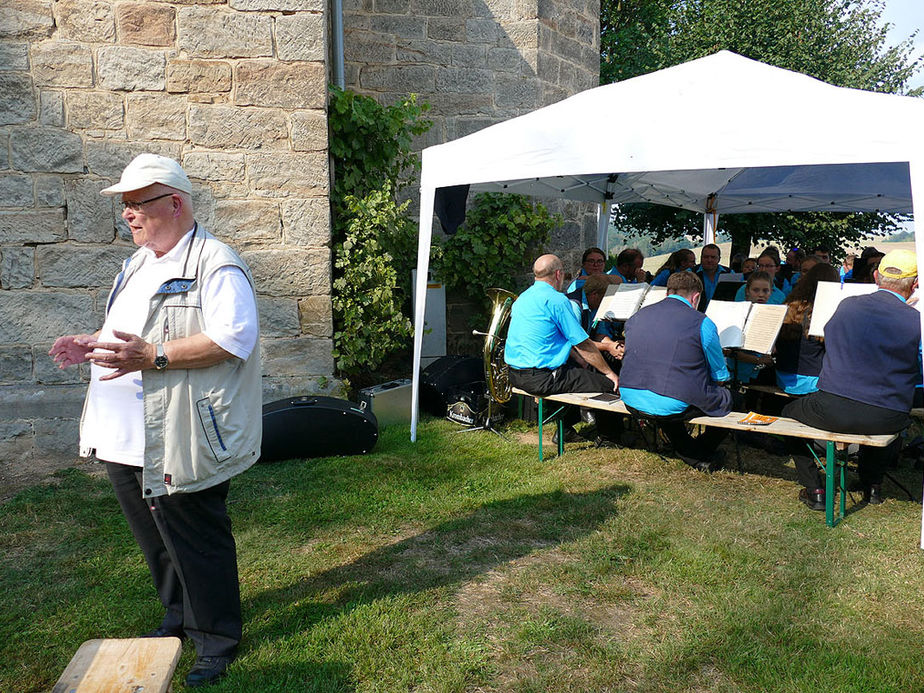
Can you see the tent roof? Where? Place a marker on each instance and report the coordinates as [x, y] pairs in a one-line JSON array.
[[758, 137]]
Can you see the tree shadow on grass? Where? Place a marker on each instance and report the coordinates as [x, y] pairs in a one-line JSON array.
[[452, 552]]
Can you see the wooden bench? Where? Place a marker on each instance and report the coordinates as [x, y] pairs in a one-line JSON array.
[[782, 426], [121, 666]]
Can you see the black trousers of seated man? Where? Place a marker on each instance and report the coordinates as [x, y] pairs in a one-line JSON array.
[[695, 449], [842, 415], [543, 382], [190, 552]]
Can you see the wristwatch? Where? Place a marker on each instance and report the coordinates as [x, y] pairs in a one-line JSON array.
[[160, 359]]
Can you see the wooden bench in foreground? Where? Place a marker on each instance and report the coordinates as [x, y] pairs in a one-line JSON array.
[[782, 426], [121, 666]]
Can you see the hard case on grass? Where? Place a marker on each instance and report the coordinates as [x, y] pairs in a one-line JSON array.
[[390, 402], [315, 426]]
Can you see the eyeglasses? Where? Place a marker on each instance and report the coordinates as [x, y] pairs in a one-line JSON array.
[[765, 266], [591, 261], [136, 206]]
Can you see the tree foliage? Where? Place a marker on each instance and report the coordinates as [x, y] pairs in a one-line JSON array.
[[837, 41], [373, 238]]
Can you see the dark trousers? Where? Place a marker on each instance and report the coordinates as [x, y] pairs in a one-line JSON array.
[[698, 449], [842, 415], [543, 382], [187, 543]]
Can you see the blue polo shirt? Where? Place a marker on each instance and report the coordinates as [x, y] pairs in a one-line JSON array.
[[543, 328], [603, 328], [661, 405]]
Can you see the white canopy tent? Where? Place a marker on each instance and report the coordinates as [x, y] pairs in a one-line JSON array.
[[721, 134]]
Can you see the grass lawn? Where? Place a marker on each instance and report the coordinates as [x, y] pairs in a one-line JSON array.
[[461, 563]]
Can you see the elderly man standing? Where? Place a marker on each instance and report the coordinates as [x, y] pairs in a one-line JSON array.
[[174, 404], [867, 378]]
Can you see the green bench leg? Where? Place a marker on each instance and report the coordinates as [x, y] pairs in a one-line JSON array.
[[561, 429], [541, 425], [829, 485]]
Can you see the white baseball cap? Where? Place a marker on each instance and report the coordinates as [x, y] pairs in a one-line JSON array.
[[147, 169]]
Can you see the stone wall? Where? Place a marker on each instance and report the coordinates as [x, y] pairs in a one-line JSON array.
[[233, 89], [477, 62]]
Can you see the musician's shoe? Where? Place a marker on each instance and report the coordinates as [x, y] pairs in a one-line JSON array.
[[207, 670], [814, 498], [162, 632], [570, 435], [873, 494]]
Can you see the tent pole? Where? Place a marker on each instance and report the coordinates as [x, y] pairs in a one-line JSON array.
[[710, 224], [420, 304], [603, 225], [916, 170]]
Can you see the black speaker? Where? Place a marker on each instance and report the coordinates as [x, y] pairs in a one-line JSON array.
[[437, 379], [313, 426]]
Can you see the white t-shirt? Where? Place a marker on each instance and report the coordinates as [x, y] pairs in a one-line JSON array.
[[114, 419]]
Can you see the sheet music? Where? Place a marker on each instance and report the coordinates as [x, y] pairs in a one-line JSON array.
[[655, 294], [762, 327], [729, 318], [621, 301], [828, 297]]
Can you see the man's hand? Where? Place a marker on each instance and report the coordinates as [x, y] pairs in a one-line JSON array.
[[615, 378], [617, 349], [132, 354], [71, 349], [641, 275]]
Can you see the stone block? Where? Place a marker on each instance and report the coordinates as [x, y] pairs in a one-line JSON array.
[[309, 131], [89, 214], [16, 190], [302, 174], [460, 127], [226, 127], [46, 150], [367, 47], [49, 191], [51, 108], [391, 6], [284, 85], [400, 79], [107, 158], [468, 56], [131, 69], [19, 402], [244, 222], [15, 451], [15, 364], [62, 64], [301, 36], [206, 32], [214, 166], [289, 271], [46, 372], [464, 80], [278, 5], [96, 110], [198, 76], [522, 34], [519, 93], [27, 19], [85, 20], [145, 23], [44, 315], [156, 116], [32, 226], [449, 104], [315, 316], [17, 99], [73, 266], [443, 8], [278, 316], [423, 52], [402, 27], [14, 56], [17, 267], [306, 223], [297, 356], [282, 387], [446, 29], [58, 437], [480, 30]]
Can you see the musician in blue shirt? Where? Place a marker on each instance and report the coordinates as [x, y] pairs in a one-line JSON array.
[[593, 261], [629, 266], [603, 333], [672, 368], [708, 272]]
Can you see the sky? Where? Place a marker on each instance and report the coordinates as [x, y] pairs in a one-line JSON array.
[[906, 16]]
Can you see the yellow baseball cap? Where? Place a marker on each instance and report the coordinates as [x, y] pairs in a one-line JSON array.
[[899, 264]]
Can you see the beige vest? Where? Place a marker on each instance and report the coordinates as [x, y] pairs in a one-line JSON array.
[[202, 426]]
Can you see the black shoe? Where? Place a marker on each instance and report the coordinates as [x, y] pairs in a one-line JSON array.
[[162, 632], [207, 670], [570, 435], [814, 498], [873, 494]]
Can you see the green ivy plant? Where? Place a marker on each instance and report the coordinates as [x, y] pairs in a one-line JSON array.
[[500, 237], [373, 237]]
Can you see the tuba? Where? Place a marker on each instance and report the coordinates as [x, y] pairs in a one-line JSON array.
[[496, 371]]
